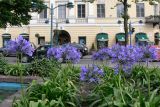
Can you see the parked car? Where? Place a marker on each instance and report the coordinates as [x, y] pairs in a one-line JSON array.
[[39, 53], [4, 52], [82, 48]]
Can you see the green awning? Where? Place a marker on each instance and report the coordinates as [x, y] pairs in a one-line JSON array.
[[24, 34], [102, 37], [120, 37], [142, 37], [6, 35]]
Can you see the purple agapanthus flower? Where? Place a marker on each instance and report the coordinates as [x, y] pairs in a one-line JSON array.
[[127, 56], [124, 57], [67, 53], [55, 53], [102, 54], [71, 54], [20, 46], [148, 52], [91, 75]]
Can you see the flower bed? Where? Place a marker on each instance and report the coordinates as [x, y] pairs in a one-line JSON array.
[[124, 85]]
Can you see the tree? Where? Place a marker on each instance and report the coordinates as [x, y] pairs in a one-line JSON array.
[[125, 15], [17, 12]]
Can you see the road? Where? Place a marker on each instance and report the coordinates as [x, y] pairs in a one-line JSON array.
[[87, 62]]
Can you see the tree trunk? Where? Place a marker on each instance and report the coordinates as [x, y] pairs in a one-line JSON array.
[[126, 17]]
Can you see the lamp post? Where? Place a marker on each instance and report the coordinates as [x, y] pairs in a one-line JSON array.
[[131, 29], [68, 5]]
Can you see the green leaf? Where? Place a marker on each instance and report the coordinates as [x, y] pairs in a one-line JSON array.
[[95, 102]]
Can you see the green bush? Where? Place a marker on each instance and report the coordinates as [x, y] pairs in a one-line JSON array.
[[141, 88], [15, 69], [3, 64], [42, 67], [60, 90]]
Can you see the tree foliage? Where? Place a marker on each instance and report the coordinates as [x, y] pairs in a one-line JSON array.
[[17, 12]]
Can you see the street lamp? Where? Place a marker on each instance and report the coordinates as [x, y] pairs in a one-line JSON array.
[[131, 29], [68, 5]]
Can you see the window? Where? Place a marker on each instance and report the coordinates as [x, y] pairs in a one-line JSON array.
[[100, 10], [43, 14], [41, 40], [62, 12], [156, 9], [82, 40], [5, 41], [140, 9], [6, 38], [81, 10], [120, 10]]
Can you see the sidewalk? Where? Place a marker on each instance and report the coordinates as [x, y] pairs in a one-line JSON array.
[[87, 57]]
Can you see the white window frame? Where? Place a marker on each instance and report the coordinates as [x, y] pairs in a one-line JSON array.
[[156, 9], [47, 4], [100, 13], [81, 16], [64, 7], [139, 12], [120, 10]]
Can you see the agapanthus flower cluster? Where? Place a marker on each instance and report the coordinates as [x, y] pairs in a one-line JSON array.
[[20, 46], [148, 52], [71, 54], [55, 53], [67, 53], [102, 54], [91, 75], [127, 56]]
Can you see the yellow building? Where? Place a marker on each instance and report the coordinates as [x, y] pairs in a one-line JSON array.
[[89, 23]]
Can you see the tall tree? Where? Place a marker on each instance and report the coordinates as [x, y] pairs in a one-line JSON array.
[[125, 15], [17, 12]]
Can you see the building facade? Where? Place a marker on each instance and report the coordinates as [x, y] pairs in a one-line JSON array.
[[97, 23]]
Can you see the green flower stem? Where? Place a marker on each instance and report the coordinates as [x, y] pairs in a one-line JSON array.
[[21, 73], [119, 84], [148, 82], [149, 85]]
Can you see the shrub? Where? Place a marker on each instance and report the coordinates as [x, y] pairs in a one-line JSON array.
[[61, 90], [141, 89], [3, 64], [43, 67], [15, 69]]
